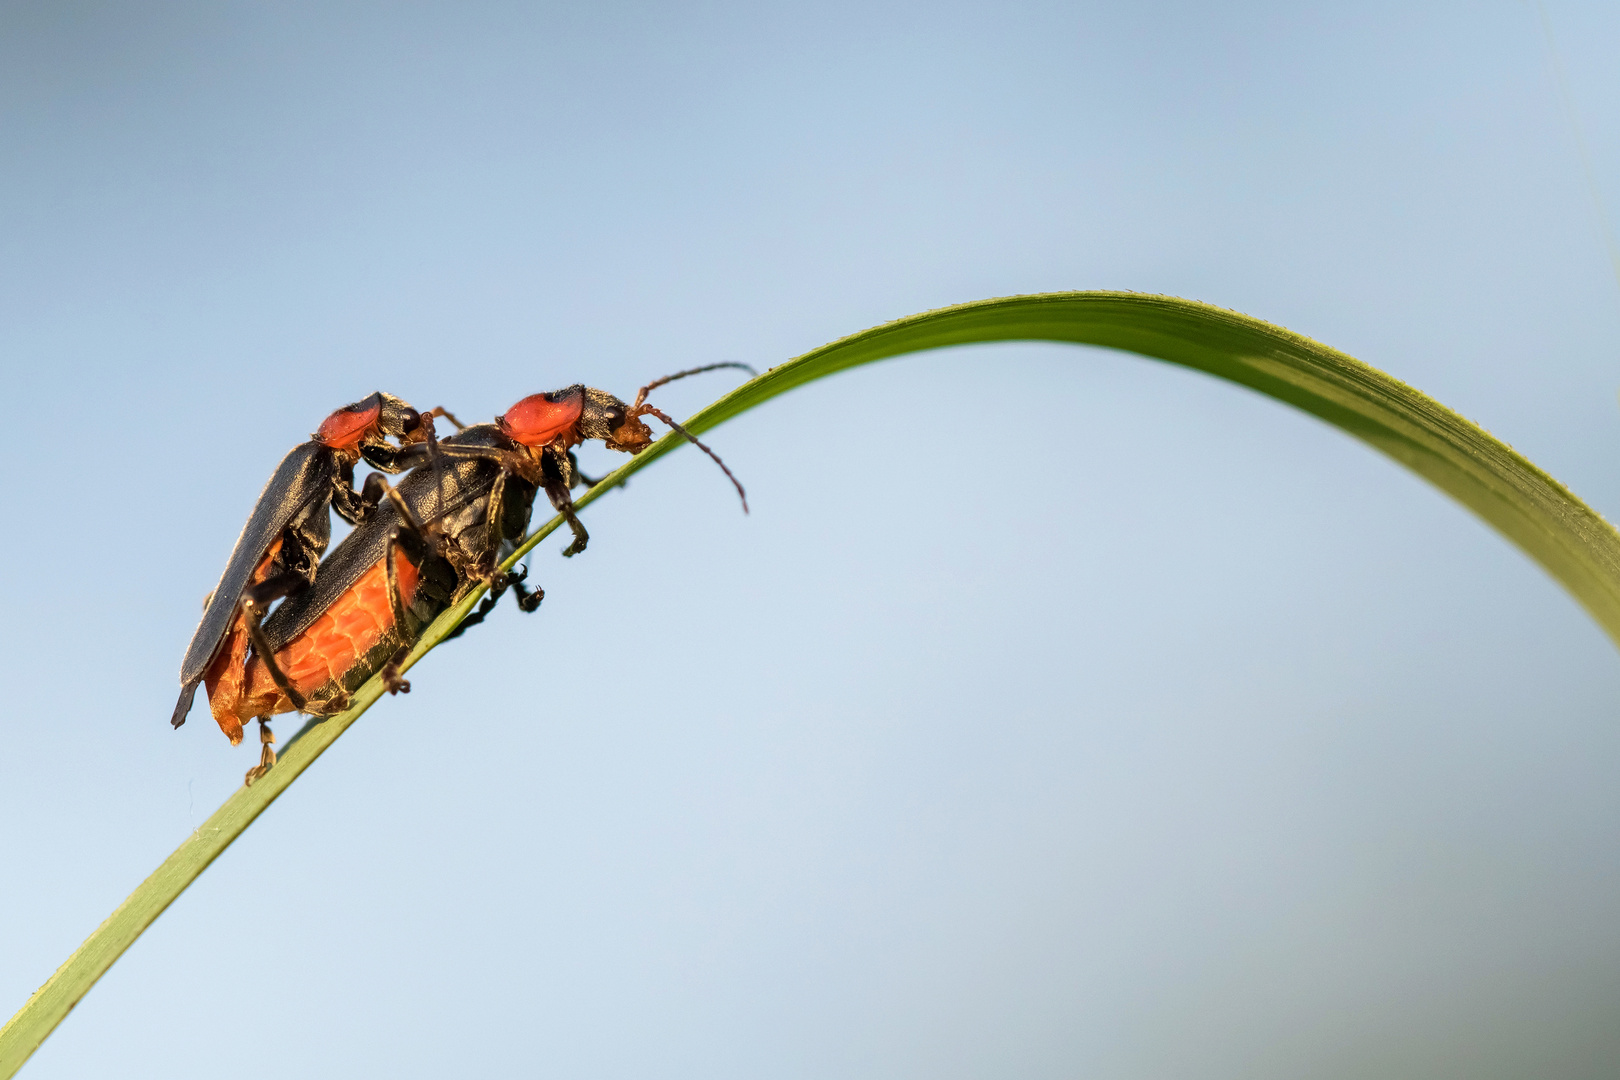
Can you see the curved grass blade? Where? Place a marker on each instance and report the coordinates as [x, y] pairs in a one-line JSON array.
[[1567, 537], [1564, 535]]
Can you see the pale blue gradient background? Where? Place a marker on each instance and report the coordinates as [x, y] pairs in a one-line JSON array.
[[1056, 713]]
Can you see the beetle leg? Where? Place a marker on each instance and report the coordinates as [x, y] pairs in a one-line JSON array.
[[396, 459], [528, 600], [396, 600], [493, 511], [563, 503], [350, 505], [581, 537], [405, 512], [253, 615], [371, 494], [267, 752], [390, 672], [435, 458], [509, 460], [554, 477], [580, 479], [396, 603], [274, 588], [355, 506], [497, 589]]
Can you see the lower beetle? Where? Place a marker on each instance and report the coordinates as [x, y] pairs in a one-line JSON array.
[[290, 526], [414, 555]]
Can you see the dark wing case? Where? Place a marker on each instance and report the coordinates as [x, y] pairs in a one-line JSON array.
[[303, 474], [430, 494]]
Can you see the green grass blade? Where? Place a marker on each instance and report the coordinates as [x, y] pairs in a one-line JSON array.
[[1529, 507], [1574, 544]]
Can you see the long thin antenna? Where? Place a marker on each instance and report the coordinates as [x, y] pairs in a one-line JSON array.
[[693, 439], [641, 395], [440, 410]]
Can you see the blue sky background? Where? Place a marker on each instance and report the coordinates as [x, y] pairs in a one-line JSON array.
[[1054, 713]]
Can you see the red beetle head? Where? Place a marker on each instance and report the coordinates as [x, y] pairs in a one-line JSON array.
[[578, 413], [369, 422], [347, 428], [540, 419]]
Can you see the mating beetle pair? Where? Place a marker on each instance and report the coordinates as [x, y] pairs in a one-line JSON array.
[[282, 543], [440, 532]]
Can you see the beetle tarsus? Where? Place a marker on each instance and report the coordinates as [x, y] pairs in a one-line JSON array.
[[581, 537], [267, 753], [390, 672], [563, 503], [527, 599]]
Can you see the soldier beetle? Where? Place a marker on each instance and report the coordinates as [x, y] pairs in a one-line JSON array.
[[290, 526]]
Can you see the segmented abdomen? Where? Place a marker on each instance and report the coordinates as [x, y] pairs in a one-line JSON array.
[[347, 644]]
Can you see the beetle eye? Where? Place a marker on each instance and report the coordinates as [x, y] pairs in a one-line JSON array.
[[613, 416], [411, 419]]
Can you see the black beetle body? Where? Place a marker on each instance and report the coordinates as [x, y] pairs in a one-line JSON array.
[[429, 542], [290, 527]]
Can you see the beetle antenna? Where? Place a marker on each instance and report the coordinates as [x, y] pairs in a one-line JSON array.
[[641, 395], [693, 439], [440, 410]]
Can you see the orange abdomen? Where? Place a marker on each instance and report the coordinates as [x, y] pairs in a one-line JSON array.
[[317, 661]]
